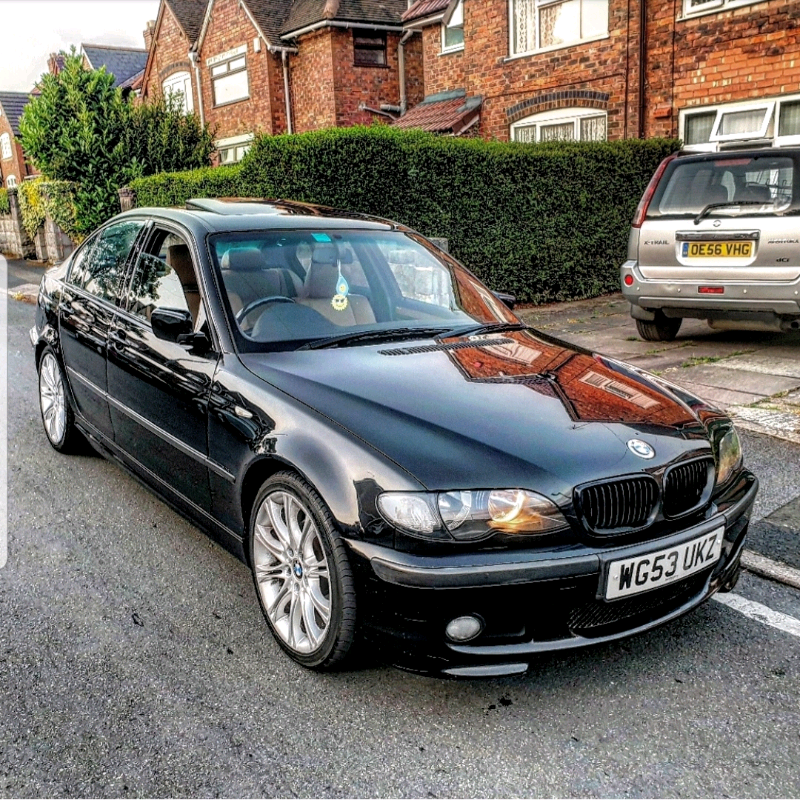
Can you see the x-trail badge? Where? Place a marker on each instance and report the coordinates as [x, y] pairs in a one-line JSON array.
[[640, 448]]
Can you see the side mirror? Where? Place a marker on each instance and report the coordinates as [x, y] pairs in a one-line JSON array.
[[509, 300], [170, 323]]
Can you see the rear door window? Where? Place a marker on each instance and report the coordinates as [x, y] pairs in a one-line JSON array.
[[101, 272], [763, 186]]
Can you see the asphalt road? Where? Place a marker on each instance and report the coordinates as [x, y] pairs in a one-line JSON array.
[[134, 662]]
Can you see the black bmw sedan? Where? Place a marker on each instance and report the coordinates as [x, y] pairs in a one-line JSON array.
[[395, 455]]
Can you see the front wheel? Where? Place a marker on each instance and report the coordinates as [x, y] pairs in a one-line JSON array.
[[302, 573], [57, 416], [661, 329]]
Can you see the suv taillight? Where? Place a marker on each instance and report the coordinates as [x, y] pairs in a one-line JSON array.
[[641, 209]]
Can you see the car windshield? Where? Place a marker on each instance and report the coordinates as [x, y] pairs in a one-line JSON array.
[[301, 287], [762, 185]]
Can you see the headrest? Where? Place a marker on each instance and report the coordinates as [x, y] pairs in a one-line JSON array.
[[325, 254], [321, 280], [755, 193], [180, 259], [243, 260]]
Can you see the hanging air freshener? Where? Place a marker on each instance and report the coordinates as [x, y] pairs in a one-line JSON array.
[[339, 301]]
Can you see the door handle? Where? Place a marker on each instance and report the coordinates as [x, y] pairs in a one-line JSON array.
[[117, 337]]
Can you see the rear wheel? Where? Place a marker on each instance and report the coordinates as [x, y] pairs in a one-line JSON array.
[[661, 329], [57, 416], [302, 573]]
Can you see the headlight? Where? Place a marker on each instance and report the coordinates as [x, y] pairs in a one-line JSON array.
[[729, 455], [472, 515]]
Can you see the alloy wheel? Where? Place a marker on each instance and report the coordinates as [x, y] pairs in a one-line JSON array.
[[292, 571], [53, 399]]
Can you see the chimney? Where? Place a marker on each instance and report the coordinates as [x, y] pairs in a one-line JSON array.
[[148, 33]]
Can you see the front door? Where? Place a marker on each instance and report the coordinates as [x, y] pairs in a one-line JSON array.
[[158, 390]]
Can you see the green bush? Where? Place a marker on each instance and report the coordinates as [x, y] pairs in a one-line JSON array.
[[5, 208], [40, 198], [547, 222], [79, 128]]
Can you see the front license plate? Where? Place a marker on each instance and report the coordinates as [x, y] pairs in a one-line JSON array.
[[640, 574], [717, 250]]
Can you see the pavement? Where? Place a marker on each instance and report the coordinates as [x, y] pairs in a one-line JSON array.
[[134, 662]]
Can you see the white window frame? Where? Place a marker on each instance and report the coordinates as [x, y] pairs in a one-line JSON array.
[[537, 48], [238, 145], [11, 182], [560, 116], [221, 65], [455, 20], [712, 7], [180, 83], [6, 151], [768, 130]]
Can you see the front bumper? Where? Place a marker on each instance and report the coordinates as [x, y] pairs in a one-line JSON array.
[[530, 601]]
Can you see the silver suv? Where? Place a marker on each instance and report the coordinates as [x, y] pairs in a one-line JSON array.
[[716, 236]]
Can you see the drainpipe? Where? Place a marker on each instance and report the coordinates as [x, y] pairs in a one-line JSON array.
[[401, 66], [285, 62], [196, 63], [642, 62]]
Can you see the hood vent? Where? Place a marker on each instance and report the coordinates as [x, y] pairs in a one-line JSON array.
[[433, 348]]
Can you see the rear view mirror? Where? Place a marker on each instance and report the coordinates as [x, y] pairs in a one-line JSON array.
[[170, 323]]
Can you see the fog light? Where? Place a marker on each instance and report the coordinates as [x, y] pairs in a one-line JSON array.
[[462, 629]]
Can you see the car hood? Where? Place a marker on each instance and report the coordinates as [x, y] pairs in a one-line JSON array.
[[519, 409]]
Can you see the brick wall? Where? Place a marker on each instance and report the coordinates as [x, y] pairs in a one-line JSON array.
[[16, 165], [746, 53], [591, 75], [312, 83], [749, 52], [168, 55], [229, 28]]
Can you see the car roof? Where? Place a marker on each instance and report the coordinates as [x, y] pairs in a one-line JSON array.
[[247, 214]]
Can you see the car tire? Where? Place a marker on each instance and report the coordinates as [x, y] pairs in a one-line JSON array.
[[661, 329], [302, 573], [58, 418]]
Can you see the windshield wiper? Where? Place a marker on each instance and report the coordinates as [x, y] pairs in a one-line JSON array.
[[363, 336], [730, 203], [486, 327]]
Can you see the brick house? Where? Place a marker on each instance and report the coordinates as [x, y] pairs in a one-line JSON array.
[[13, 166], [708, 71], [275, 66]]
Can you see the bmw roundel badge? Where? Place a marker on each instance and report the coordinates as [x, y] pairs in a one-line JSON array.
[[640, 448]]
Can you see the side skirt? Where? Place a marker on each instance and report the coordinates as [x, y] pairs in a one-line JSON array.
[[224, 536]]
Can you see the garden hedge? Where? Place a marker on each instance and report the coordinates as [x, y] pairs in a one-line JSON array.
[[546, 222], [5, 207]]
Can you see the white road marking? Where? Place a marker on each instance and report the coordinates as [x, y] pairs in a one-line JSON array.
[[760, 613], [767, 568]]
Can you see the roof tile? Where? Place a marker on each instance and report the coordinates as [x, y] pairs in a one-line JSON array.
[[424, 8], [452, 115], [13, 103], [190, 15], [121, 62]]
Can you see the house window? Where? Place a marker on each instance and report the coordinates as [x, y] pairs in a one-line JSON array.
[[563, 125], [5, 146], [453, 30], [541, 24], [11, 181], [233, 149], [777, 119], [369, 48], [229, 80], [179, 86]]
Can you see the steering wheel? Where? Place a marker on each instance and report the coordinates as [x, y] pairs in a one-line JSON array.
[[262, 301]]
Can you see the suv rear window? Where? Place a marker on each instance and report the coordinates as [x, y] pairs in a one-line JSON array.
[[763, 184]]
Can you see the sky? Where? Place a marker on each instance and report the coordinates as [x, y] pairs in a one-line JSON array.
[[32, 29]]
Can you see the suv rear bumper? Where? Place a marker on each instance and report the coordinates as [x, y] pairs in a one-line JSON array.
[[769, 301]]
